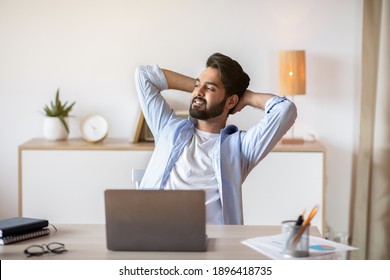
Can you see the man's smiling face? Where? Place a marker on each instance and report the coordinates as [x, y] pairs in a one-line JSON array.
[[209, 96]]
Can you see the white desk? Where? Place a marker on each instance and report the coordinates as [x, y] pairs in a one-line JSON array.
[[89, 242]]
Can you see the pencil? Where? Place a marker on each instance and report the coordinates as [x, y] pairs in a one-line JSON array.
[[312, 213]]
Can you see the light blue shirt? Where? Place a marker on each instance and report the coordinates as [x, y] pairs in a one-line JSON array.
[[235, 153]]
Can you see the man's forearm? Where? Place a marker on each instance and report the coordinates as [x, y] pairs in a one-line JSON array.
[[258, 100], [179, 81], [253, 99]]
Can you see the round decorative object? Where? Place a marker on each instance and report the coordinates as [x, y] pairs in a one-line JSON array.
[[94, 128]]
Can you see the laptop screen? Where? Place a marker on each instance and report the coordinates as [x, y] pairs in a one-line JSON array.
[[155, 220]]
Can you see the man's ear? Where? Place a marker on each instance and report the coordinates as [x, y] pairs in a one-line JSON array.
[[232, 101]]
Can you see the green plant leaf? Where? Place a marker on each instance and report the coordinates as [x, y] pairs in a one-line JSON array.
[[62, 119], [58, 109]]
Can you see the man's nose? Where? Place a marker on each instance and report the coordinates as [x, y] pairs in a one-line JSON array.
[[200, 90]]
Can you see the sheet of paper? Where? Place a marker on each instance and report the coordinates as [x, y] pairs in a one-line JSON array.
[[319, 248]]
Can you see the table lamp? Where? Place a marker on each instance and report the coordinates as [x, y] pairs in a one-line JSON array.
[[292, 81]]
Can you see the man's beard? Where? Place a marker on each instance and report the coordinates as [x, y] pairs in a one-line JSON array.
[[206, 114]]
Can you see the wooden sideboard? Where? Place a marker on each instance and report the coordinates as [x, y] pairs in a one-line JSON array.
[[291, 179], [64, 181]]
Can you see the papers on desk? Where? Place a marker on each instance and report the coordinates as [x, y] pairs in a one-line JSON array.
[[319, 248]]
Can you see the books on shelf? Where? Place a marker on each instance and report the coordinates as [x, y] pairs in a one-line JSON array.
[[22, 228], [24, 236]]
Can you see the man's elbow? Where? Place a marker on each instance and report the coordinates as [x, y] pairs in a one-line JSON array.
[[292, 111]]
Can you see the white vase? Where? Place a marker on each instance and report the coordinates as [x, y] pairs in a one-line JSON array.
[[54, 129]]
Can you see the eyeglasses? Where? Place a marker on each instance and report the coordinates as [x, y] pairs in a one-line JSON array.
[[38, 250]]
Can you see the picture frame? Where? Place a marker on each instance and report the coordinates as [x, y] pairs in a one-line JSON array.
[[143, 132]]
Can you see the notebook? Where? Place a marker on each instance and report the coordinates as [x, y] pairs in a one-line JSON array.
[[19, 225], [155, 220]]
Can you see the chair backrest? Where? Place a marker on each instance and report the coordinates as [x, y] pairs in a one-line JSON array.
[[136, 176]]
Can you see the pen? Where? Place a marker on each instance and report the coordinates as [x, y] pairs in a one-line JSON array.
[[300, 219]]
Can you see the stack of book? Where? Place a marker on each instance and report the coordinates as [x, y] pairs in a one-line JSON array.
[[21, 228]]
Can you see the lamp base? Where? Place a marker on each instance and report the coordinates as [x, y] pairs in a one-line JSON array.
[[293, 141]]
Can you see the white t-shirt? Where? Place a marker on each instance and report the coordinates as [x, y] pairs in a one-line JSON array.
[[194, 170]]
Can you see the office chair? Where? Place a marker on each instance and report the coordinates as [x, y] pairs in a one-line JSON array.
[[136, 176]]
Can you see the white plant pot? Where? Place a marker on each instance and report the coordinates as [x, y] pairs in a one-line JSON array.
[[54, 130]]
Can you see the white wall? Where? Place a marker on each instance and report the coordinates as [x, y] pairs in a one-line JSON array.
[[89, 49]]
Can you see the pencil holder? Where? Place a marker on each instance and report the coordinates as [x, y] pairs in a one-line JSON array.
[[296, 239]]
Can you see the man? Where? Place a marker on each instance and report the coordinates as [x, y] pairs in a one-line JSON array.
[[201, 152]]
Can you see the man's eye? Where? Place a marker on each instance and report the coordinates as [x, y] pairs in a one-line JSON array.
[[210, 88]]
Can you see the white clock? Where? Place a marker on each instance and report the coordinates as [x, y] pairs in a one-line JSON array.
[[94, 128]]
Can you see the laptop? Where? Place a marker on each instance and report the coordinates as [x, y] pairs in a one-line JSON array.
[[155, 220]]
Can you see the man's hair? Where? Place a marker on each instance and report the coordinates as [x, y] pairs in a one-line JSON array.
[[233, 77]]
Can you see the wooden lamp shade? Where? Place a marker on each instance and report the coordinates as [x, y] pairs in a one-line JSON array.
[[292, 73], [292, 81]]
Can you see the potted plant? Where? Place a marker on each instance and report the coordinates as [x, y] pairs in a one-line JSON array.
[[56, 121]]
